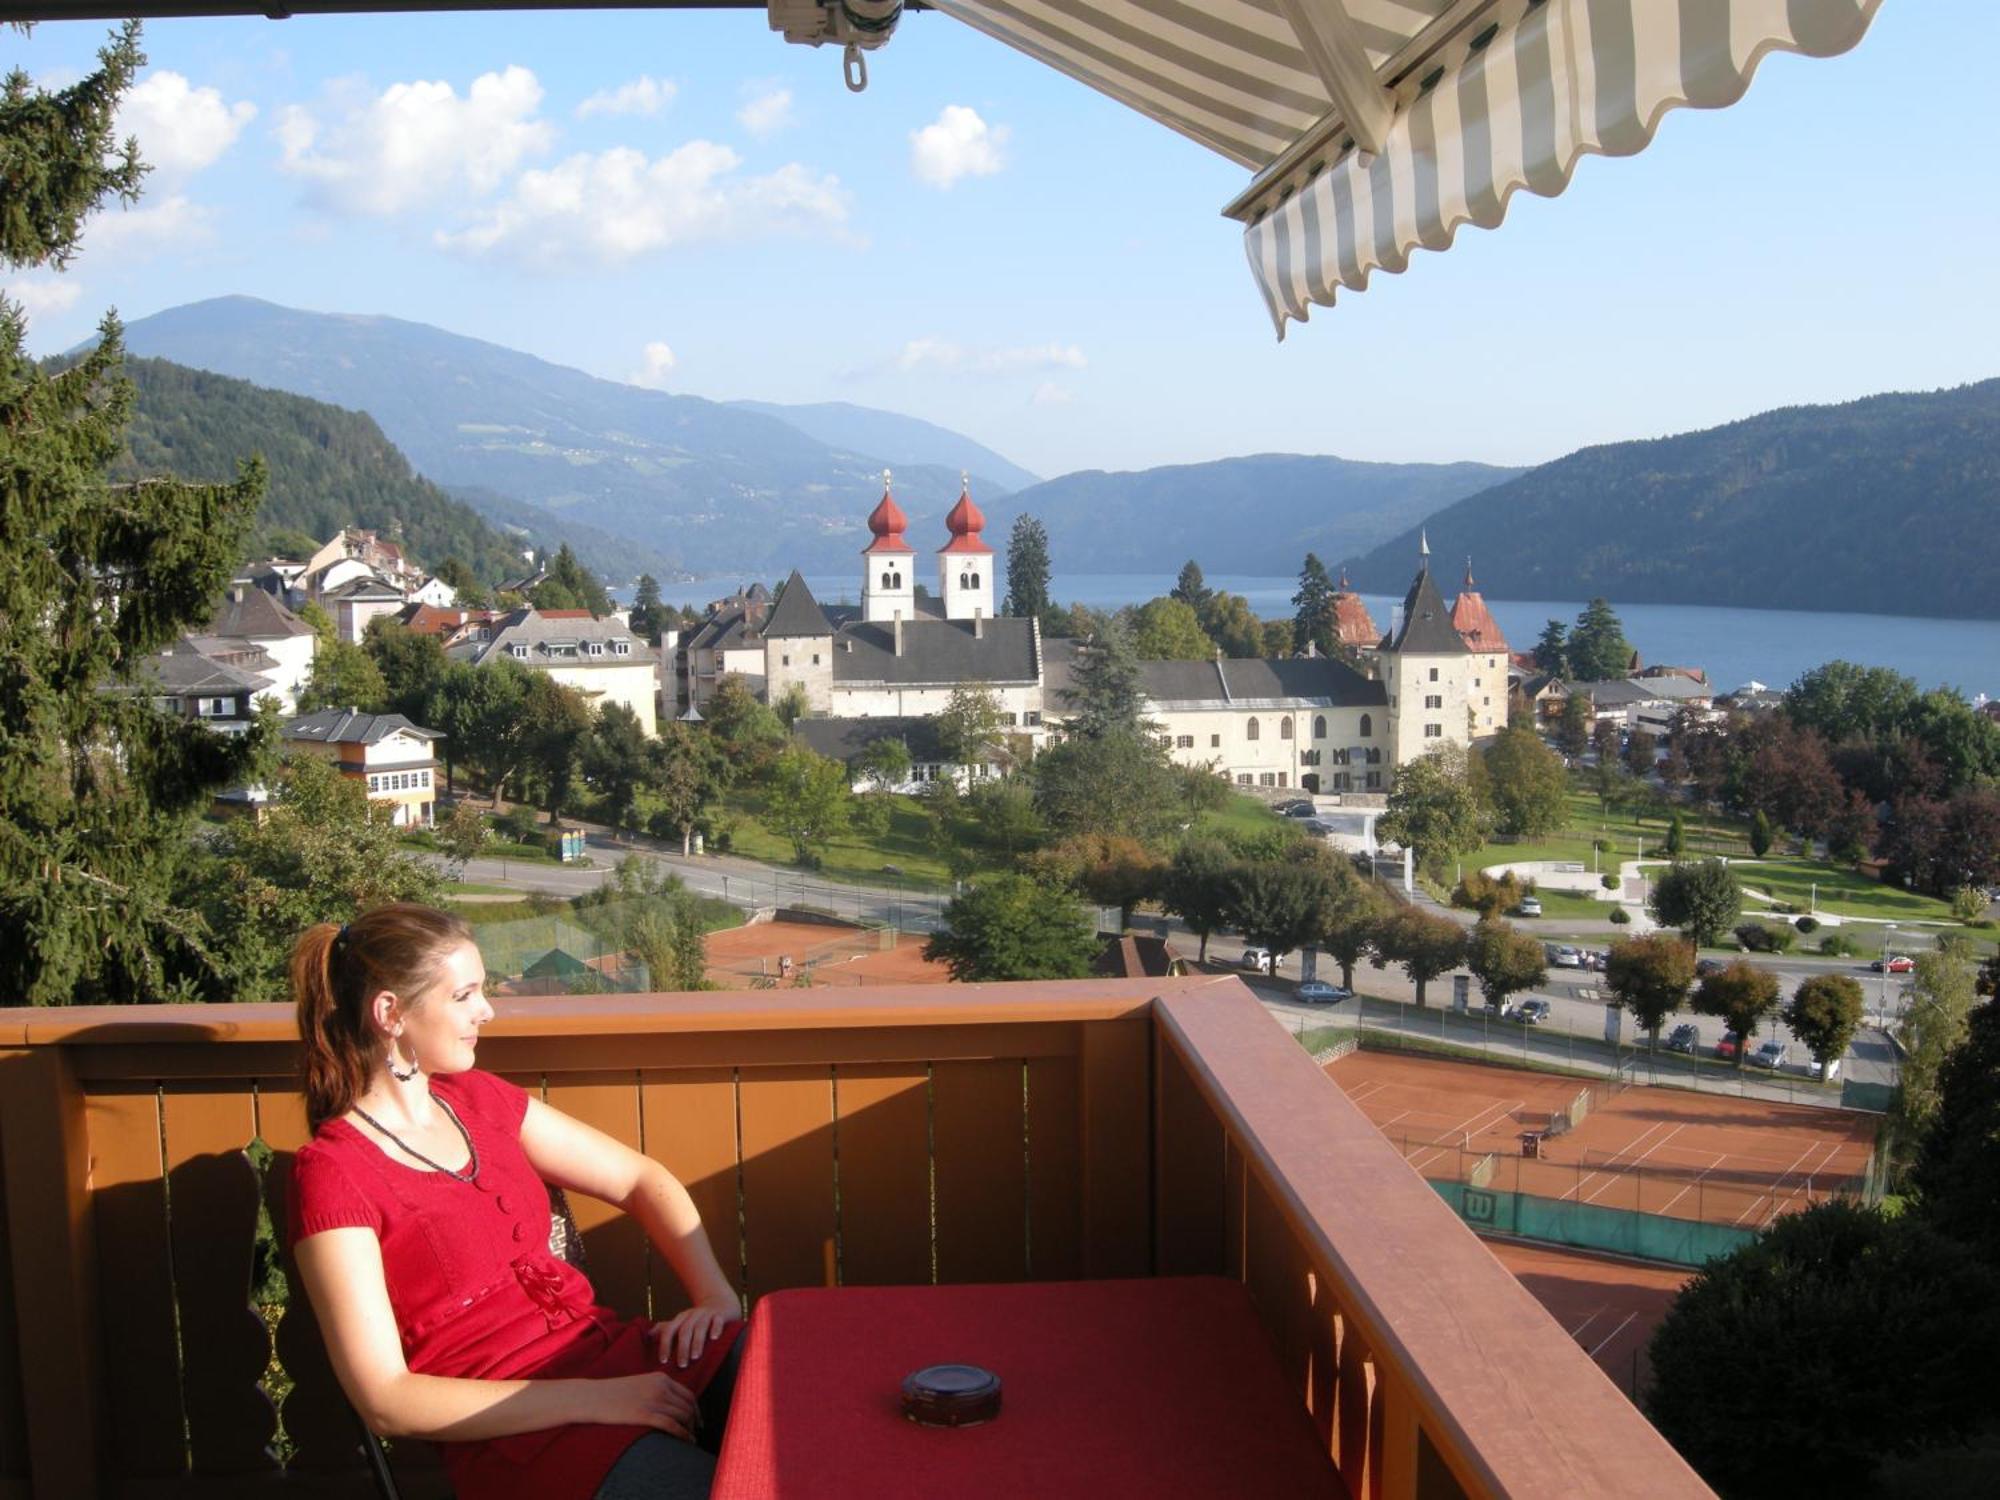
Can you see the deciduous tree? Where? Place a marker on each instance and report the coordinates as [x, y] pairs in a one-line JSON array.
[[1742, 995], [886, 763], [1935, 1021], [1118, 783], [412, 665], [1011, 927], [1279, 905], [344, 676], [1526, 783], [1167, 629], [1824, 1013], [1700, 897], [1196, 887], [685, 774], [1956, 1183], [1352, 920], [972, 728], [1229, 622], [555, 720], [1504, 961], [616, 762], [1650, 976], [806, 801], [1573, 728], [1422, 945], [1111, 869], [1433, 809]]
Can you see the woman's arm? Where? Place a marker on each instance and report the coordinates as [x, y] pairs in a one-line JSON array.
[[342, 1270], [577, 1158]]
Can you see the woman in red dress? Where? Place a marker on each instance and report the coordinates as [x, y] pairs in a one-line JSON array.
[[420, 1224]]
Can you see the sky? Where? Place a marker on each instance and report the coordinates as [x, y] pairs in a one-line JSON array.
[[683, 200]]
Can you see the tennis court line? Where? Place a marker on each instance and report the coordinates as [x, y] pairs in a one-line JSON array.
[[1667, 1207], [1613, 1334], [1614, 1161], [1770, 1193]]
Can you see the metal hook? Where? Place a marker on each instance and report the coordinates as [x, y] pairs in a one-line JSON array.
[[854, 69]]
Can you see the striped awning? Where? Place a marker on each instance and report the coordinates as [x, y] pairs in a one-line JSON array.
[[1373, 127]]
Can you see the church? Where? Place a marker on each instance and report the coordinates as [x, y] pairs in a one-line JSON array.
[[1310, 723]]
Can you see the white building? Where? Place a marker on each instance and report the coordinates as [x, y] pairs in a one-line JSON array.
[[248, 617], [391, 756], [600, 658]]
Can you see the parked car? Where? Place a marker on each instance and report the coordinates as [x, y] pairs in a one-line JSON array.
[[1261, 959], [1703, 967], [1296, 809], [1528, 1012], [1727, 1048], [1566, 957], [1319, 992], [1895, 963], [1596, 961], [1531, 906], [1685, 1037], [1771, 1054]]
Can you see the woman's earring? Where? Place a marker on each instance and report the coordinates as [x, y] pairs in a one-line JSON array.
[[399, 1074]]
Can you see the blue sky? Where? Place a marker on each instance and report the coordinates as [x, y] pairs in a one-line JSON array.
[[684, 199]]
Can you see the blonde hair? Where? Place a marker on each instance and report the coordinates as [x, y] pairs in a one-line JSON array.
[[335, 970]]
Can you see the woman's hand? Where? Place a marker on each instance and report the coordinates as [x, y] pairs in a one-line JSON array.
[[685, 1335], [654, 1399]]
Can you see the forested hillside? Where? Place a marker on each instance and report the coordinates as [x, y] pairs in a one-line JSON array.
[[1879, 506], [329, 468]]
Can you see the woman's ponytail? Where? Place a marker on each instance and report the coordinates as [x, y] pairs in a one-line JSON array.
[[336, 969]]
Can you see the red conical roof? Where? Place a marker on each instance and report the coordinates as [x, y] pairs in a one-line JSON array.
[[965, 523], [888, 523], [1473, 620]]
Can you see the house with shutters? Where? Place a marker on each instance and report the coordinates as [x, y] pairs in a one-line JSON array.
[[391, 756], [602, 659]]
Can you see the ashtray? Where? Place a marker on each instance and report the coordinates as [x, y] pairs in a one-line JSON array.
[[951, 1396]]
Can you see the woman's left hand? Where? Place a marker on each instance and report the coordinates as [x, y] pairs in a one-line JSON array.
[[686, 1334]]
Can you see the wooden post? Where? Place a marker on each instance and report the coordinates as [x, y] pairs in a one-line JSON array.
[[47, 1148]]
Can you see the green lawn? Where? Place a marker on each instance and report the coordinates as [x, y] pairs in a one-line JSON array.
[[1239, 815], [1787, 878], [852, 856]]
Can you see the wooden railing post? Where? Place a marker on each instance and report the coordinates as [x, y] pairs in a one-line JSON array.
[[1115, 1120], [47, 1146]]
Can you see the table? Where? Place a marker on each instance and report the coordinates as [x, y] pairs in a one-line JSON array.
[[1163, 1388]]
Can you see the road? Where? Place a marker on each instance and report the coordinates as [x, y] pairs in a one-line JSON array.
[[1573, 1035]]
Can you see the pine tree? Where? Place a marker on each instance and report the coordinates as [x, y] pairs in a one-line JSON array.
[[1105, 698], [1598, 650], [1313, 622], [1192, 589], [1027, 569], [98, 789], [649, 616]]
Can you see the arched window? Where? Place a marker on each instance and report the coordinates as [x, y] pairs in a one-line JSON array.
[[1285, 727], [965, 580], [1367, 726], [1319, 726], [975, 580], [1253, 729]]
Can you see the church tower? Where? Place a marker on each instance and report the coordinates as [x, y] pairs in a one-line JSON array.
[[965, 563], [888, 584]]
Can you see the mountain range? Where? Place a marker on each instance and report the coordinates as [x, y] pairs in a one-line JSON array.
[[1864, 507], [1885, 505]]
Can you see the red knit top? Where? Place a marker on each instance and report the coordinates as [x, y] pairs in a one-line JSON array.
[[475, 1291]]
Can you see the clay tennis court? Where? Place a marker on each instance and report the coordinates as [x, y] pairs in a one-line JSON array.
[[739, 957], [1609, 1306], [1717, 1158]]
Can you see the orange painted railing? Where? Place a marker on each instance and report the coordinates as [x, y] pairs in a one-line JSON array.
[[970, 1133]]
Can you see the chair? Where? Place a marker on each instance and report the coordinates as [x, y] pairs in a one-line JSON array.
[[565, 1243]]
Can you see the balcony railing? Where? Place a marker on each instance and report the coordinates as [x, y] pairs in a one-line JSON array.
[[970, 1133]]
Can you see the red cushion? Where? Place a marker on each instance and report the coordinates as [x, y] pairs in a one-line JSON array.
[[1162, 1388]]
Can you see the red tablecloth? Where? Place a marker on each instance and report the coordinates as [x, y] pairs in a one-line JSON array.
[[1156, 1388]]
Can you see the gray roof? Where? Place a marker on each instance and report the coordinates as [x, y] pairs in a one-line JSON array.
[[733, 630], [1251, 682], [254, 615], [1426, 628], [531, 628], [344, 726], [798, 613], [937, 651], [844, 739], [185, 670], [364, 588]]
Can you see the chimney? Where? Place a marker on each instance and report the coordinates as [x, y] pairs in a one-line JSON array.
[[899, 633], [978, 626]]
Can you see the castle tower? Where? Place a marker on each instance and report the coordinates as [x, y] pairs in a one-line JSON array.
[[1430, 672], [965, 563], [888, 585]]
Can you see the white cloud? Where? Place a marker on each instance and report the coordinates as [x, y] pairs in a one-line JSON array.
[[642, 96], [657, 362], [181, 129], [1048, 393], [616, 205], [939, 354], [767, 112], [45, 294], [171, 223], [415, 141], [957, 144]]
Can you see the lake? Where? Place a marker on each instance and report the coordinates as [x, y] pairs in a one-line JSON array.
[[1770, 646]]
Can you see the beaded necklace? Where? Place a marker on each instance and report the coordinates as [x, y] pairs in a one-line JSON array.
[[468, 1173]]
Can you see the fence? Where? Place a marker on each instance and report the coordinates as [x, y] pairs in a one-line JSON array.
[[1477, 1035]]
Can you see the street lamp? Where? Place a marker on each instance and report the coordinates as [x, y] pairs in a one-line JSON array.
[[1888, 933]]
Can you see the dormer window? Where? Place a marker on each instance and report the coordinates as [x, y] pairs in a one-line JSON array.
[[621, 648], [518, 651], [595, 648]]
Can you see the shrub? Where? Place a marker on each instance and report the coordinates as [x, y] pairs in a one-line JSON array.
[[1619, 916], [1807, 924], [1968, 904], [1838, 945], [1602, 846], [1489, 897], [1609, 882], [517, 824], [1762, 937], [1784, 908]]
